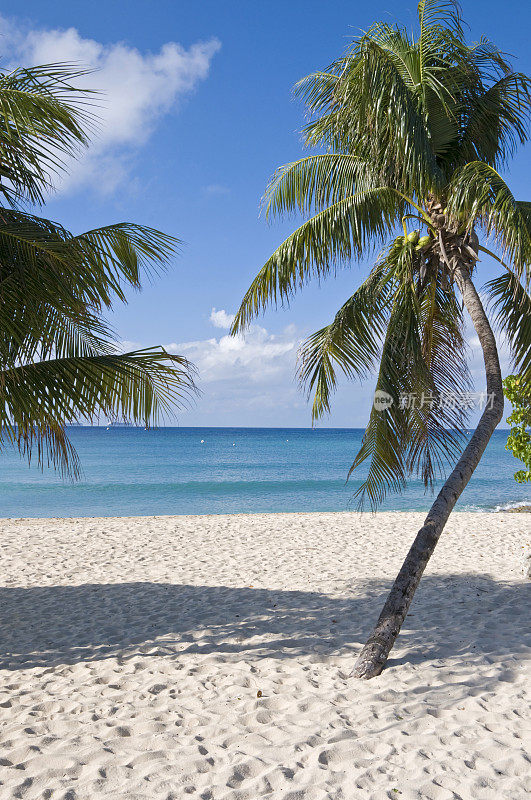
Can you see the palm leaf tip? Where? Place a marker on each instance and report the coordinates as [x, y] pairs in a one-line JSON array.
[[511, 304], [350, 343], [45, 119], [332, 238]]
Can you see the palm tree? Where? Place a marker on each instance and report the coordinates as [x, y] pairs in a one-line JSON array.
[[60, 362], [414, 129]]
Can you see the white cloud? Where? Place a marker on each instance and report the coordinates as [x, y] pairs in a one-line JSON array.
[[476, 363], [244, 380], [220, 319], [216, 189], [256, 356], [137, 90]]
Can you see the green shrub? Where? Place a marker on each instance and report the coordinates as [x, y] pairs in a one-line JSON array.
[[518, 392]]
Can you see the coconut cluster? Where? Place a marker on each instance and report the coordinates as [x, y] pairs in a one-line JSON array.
[[414, 238]]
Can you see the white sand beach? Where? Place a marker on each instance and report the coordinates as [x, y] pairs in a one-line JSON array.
[[209, 657]]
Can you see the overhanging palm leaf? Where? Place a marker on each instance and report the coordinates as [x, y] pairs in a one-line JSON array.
[[44, 330], [59, 360], [329, 239], [34, 249], [420, 431], [435, 428], [524, 207], [43, 118], [138, 386], [384, 442], [45, 269], [512, 305], [399, 145], [351, 342], [314, 183]]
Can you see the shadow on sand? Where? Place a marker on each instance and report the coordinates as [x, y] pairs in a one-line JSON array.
[[452, 615]]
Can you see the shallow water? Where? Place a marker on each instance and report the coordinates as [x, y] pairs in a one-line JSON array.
[[130, 471]]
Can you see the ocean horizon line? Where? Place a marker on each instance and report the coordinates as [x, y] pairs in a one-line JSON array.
[[124, 426]]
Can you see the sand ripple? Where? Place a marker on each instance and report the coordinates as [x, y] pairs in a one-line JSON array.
[[209, 657]]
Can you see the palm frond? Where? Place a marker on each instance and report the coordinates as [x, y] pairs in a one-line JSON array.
[[37, 331], [477, 194], [44, 118], [331, 238], [39, 400], [524, 207], [512, 307], [498, 120], [438, 16], [313, 183], [140, 386], [59, 360], [384, 440], [436, 429], [389, 133], [44, 440], [350, 343], [98, 263], [423, 370]]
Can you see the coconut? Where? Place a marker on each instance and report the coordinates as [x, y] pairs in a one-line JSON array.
[[413, 237], [424, 241]]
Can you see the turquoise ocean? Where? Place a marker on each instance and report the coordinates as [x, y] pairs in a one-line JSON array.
[[129, 471]]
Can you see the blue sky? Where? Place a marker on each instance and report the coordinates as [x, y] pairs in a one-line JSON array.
[[197, 115]]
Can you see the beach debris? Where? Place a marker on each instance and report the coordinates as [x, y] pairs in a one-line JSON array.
[[524, 509], [259, 693]]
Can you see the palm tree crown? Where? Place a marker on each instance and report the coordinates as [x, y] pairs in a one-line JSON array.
[[414, 130], [59, 360]]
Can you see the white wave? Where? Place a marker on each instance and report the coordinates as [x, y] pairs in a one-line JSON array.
[[509, 506]]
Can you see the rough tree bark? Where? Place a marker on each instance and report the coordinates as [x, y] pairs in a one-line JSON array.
[[376, 651]]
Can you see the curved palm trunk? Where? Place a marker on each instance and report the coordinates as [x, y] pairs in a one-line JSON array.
[[375, 653]]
